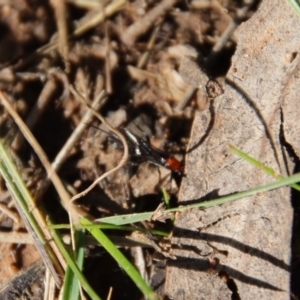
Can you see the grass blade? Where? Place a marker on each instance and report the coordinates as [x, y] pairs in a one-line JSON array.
[[260, 165], [132, 218], [121, 260], [74, 267], [32, 219], [71, 283]]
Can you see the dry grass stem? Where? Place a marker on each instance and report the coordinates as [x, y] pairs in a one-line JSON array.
[[141, 26], [99, 17], [49, 292], [63, 153], [59, 7], [188, 95], [15, 237], [86, 4], [63, 194], [109, 295], [37, 111], [145, 56], [108, 84], [10, 213]]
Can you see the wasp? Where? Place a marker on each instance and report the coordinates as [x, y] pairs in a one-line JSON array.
[[141, 150]]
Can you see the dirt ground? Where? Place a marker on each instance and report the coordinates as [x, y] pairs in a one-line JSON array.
[[154, 67]]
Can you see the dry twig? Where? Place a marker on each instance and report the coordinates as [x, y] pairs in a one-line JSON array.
[[143, 25]]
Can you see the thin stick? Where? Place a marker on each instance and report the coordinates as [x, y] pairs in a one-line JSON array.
[[108, 85], [59, 7], [15, 237], [62, 155], [37, 111], [134, 31], [115, 131], [145, 56], [107, 11], [13, 215]]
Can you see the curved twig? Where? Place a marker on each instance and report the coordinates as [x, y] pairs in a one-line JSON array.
[[115, 131]]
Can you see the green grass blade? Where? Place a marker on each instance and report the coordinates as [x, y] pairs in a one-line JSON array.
[[166, 198], [71, 283], [258, 164], [112, 227], [121, 260], [25, 205], [126, 219], [18, 189], [132, 218], [74, 267], [295, 5]]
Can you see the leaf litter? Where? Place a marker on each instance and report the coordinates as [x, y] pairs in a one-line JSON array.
[[160, 65]]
